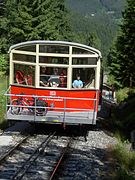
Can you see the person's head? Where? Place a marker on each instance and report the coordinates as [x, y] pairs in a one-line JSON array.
[[64, 71], [30, 67], [55, 70], [78, 77], [43, 69], [62, 77]]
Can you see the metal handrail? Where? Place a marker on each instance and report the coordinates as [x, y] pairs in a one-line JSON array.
[[52, 97], [34, 107]]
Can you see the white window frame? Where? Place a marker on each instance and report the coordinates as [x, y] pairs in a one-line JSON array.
[[68, 66]]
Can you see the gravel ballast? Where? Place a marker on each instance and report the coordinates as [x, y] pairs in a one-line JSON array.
[[87, 159]]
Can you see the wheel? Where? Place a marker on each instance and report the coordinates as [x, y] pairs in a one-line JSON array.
[[14, 109], [41, 111]]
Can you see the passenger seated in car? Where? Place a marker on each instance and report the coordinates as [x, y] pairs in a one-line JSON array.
[[54, 78], [77, 83], [44, 77], [63, 82], [19, 75]]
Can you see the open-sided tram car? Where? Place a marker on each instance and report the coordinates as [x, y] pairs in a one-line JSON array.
[[41, 83]]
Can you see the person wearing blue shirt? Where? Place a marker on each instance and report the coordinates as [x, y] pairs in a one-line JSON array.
[[77, 83]]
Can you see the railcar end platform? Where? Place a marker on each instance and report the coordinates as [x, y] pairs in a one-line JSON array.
[[55, 117]]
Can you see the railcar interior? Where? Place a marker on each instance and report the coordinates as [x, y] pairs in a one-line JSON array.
[[63, 76]]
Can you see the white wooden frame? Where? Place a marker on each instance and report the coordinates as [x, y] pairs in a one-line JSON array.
[[95, 54]]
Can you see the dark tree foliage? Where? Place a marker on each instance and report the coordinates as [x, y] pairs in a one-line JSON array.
[[114, 67], [124, 58], [34, 20], [2, 8], [126, 46]]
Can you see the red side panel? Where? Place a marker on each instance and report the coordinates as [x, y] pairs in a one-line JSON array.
[[56, 97]]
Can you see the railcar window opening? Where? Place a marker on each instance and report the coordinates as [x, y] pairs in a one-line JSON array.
[[80, 50], [53, 77], [54, 49], [84, 61], [53, 60], [29, 48], [87, 76], [24, 74], [24, 57]]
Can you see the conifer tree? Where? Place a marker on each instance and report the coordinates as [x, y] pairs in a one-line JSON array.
[[2, 8], [34, 20], [124, 60], [126, 46], [114, 67]]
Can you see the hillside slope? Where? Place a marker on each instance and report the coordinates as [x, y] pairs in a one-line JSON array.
[[85, 7], [99, 17]]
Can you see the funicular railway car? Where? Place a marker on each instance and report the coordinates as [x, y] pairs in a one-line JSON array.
[[53, 82]]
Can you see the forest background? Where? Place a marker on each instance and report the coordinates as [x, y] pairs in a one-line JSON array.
[[108, 25], [93, 23], [105, 25]]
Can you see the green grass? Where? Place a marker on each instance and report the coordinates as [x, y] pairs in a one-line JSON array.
[[122, 94], [3, 83], [3, 87], [122, 121], [125, 159]]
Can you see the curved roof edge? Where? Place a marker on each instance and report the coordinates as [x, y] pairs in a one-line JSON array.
[[55, 42]]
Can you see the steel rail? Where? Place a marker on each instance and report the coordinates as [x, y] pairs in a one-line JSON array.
[[12, 149], [22, 171], [60, 160]]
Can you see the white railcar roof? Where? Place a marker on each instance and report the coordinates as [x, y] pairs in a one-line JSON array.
[[56, 43]]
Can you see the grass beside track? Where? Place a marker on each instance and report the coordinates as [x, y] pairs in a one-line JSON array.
[[3, 87], [122, 160], [122, 123]]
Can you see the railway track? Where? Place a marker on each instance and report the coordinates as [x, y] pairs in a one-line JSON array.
[[36, 153], [10, 151], [60, 160], [34, 157], [26, 151], [38, 158]]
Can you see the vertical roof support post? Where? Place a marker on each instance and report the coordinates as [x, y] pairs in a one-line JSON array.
[[11, 68], [69, 78], [37, 67], [98, 73]]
